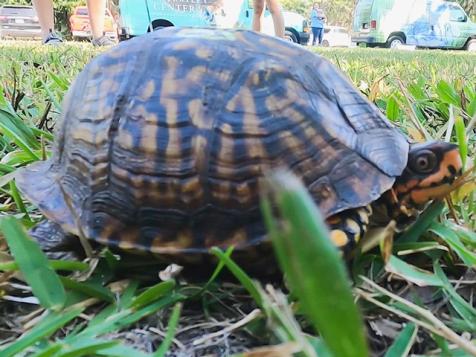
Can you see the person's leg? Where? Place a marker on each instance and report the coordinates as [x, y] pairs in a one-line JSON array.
[[315, 34], [44, 11], [278, 19], [96, 9], [258, 9], [321, 34]]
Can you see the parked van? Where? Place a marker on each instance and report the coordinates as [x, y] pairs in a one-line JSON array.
[[19, 21], [138, 17], [421, 23]]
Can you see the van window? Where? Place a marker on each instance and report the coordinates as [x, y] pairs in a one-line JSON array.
[[455, 13], [19, 11], [83, 11]]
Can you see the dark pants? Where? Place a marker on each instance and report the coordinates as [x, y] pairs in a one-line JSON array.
[[317, 33]]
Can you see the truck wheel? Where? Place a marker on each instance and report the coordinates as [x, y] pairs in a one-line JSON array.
[[325, 43], [471, 45], [288, 35], [395, 41]]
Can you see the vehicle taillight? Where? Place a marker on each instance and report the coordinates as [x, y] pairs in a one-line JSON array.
[[373, 24], [3, 18]]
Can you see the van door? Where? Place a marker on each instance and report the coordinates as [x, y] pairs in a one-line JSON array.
[[456, 28], [449, 24], [418, 30], [246, 14]]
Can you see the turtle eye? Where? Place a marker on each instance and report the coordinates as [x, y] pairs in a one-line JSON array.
[[423, 162]]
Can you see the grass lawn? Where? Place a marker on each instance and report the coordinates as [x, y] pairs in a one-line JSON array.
[[416, 294]]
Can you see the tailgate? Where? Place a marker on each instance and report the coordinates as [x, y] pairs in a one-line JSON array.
[[362, 15]]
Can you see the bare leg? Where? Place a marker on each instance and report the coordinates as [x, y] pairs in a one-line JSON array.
[[96, 9], [278, 19], [44, 10], [258, 7]]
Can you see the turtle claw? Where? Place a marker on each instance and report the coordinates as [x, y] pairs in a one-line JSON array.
[[55, 243]]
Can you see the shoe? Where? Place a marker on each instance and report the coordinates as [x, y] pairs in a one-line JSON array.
[[102, 41], [52, 39]]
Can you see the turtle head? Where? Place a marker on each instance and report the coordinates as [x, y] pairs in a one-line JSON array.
[[431, 170]]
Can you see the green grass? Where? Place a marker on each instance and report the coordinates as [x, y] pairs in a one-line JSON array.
[[414, 295]]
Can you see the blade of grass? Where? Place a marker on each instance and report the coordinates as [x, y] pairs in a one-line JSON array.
[[27, 144], [171, 328], [404, 341], [312, 264], [462, 307], [91, 289], [411, 273], [422, 224], [86, 347], [45, 328], [65, 265], [455, 243], [239, 273], [18, 200], [214, 275], [121, 351], [462, 140], [153, 293], [425, 318], [44, 282]]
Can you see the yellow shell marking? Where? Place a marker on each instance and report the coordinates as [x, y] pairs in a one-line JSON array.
[[197, 114], [339, 238], [148, 140], [147, 91]]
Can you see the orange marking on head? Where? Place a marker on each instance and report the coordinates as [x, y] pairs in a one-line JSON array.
[[426, 194], [451, 158]]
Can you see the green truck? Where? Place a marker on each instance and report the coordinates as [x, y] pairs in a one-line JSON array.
[[420, 23]]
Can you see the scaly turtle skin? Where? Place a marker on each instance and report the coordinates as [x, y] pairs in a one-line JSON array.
[[165, 140]]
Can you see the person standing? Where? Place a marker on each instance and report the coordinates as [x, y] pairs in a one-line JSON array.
[[317, 23], [96, 10], [276, 13]]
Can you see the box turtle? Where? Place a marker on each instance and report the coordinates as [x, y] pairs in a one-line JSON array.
[[166, 138]]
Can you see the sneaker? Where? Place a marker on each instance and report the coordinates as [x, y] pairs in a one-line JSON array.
[[102, 41], [52, 39]]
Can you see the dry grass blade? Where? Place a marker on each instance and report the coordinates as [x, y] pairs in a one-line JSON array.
[[244, 321], [287, 349], [431, 323]]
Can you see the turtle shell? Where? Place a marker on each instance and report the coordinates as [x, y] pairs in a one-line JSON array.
[[165, 139]]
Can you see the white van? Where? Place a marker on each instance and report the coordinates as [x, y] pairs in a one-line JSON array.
[[421, 23]]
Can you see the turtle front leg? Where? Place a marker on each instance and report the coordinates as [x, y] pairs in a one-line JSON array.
[[55, 243], [349, 226]]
